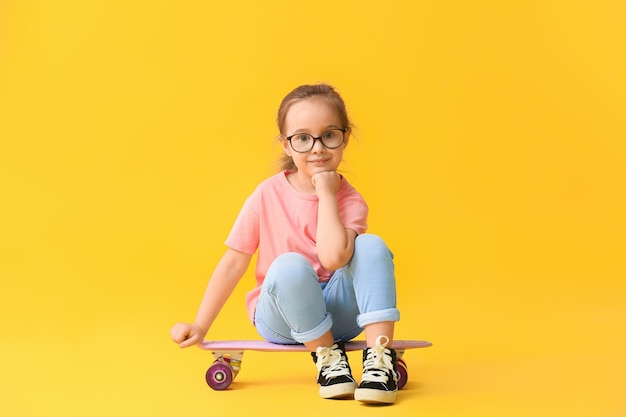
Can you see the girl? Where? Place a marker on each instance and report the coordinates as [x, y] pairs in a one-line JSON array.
[[319, 280]]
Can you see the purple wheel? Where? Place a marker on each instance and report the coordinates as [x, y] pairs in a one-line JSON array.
[[219, 376], [403, 374]]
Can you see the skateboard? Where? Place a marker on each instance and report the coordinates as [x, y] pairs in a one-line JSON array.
[[228, 355]]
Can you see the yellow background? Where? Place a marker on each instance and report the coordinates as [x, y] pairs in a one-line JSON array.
[[490, 147]]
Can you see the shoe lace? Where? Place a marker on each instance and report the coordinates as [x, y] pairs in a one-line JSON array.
[[378, 365], [330, 362]]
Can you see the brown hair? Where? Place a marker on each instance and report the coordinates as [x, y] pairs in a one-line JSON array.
[[305, 92]]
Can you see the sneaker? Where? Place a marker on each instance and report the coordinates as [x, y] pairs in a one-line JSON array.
[[334, 375], [380, 374]]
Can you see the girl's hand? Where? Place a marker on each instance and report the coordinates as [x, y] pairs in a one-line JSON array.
[[187, 334], [326, 181]]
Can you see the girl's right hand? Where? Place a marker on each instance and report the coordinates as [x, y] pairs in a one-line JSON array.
[[187, 334], [327, 180]]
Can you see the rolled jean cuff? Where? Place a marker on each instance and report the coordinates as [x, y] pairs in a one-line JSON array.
[[315, 333], [390, 314]]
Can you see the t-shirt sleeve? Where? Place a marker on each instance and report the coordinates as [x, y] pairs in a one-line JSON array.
[[244, 235], [353, 210]]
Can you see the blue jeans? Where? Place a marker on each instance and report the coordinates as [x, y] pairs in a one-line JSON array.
[[294, 307]]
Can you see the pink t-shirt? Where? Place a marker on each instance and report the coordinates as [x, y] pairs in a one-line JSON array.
[[276, 219]]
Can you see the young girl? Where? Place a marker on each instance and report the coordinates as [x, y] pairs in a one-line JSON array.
[[319, 279]]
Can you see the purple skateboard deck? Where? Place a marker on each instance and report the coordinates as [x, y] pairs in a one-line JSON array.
[[229, 354], [264, 346]]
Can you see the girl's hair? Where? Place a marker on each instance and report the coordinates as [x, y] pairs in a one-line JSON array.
[[306, 92]]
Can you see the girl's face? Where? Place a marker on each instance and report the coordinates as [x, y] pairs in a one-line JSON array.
[[313, 116]]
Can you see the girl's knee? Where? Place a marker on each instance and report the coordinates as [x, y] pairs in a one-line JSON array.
[[290, 261], [371, 244], [290, 269]]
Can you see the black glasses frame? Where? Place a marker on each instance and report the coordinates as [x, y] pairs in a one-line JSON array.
[[343, 138]]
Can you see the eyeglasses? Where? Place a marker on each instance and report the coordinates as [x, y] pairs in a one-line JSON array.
[[304, 142]]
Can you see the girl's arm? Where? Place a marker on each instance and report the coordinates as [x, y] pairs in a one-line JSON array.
[[226, 275], [335, 243]]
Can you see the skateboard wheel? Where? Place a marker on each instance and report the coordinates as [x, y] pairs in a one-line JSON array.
[[403, 373], [219, 376]]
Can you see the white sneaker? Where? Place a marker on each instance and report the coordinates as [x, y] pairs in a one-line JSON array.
[[380, 374], [334, 374]]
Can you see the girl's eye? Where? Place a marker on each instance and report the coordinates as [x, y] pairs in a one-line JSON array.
[[329, 134], [302, 138]]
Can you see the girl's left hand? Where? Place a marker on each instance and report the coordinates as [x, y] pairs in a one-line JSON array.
[[328, 180]]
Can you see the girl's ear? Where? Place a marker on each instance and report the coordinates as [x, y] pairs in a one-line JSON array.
[[284, 143], [346, 138]]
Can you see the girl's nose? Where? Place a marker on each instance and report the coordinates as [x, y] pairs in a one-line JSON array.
[[318, 146]]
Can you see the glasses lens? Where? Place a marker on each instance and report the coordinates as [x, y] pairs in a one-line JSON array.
[[302, 142], [332, 138]]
